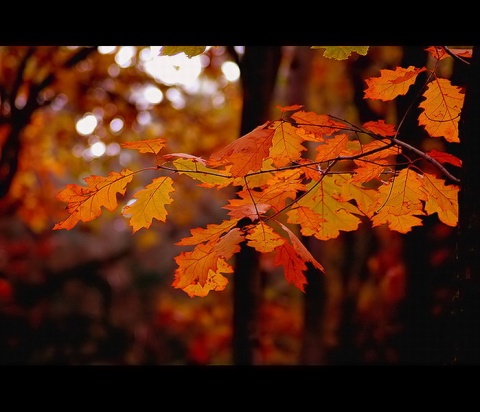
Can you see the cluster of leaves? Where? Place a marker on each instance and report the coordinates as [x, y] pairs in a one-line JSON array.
[[313, 172]]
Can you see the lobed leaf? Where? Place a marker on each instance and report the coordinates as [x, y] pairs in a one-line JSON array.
[[85, 203]]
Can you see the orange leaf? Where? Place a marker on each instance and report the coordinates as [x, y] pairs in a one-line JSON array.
[[262, 238], [146, 146], [332, 148], [380, 128], [211, 234], [319, 124], [391, 83], [293, 266], [443, 158], [247, 153], [215, 281], [301, 249], [293, 257], [441, 199], [291, 108], [228, 244], [85, 203], [240, 208], [442, 105], [193, 267], [286, 144], [150, 203]]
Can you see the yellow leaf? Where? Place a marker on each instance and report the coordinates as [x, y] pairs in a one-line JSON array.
[[150, 203], [331, 212], [286, 145], [85, 203], [208, 176], [442, 105], [262, 238]]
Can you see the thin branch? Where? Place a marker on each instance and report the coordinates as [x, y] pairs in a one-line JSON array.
[[449, 52]]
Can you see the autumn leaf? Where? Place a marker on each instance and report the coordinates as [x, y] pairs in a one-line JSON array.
[[342, 52], [399, 202], [286, 144], [201, 267], [239, 208], [195, 168], [331, 213], [441, 110], [293, 266], [194, 266], [441, 199], [284, 185], [215, 281], [331, 148], [247, 153], [443, 157], [263, 238], [190, 51], [212, 233], [380, 128], [85, 203], [319, 125], [150, 203], [146, 146], [391, 83], [293, 257]]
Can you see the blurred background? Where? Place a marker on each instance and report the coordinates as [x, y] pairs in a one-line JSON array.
[[100, 295]]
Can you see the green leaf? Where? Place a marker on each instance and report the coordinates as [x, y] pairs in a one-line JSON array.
[[341, 52]]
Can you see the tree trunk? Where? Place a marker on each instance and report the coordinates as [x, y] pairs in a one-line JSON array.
[[465, 319], [258, 66]]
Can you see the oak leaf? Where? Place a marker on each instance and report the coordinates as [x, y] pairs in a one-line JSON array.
[[332, 211], [441, 110], [444, 157], [391, 83], [399, 202], [342, 52], [146, 146], [208, 177], [380, 128], [319, 125], [150, 203], [85, 203], [331, 148], [441, 199], [286, 144], [212, 233], [292, 256], [247, 153], [263, 238], [215, 281]]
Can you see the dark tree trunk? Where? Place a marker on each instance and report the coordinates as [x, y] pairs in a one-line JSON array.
[[259, 66], [465, 319]]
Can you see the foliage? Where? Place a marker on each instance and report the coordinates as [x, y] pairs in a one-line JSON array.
[[354, 174]]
